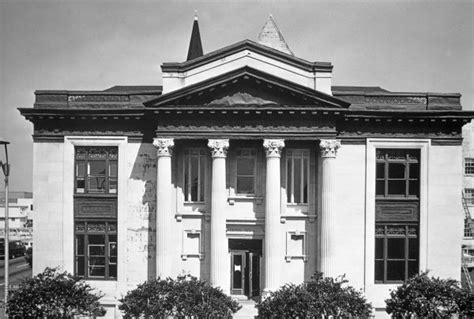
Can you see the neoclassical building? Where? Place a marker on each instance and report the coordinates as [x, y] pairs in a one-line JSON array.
[[249, 169]]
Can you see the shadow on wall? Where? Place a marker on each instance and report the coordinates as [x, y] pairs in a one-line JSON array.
[[141, 203]]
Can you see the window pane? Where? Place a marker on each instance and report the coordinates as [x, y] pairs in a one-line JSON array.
[[414, 170], [112, 249], [96, 271], [396, 248], [112, 186], [297, 179], [380, 170], [245, 166], [113, 169], [245, 185], [396, 187], [97, 239], [201, 180], [305, 180], [379, 270], [194, 178], [80, 244], [396, 170], [97, 184], [378, 248], [289, 178], [414, 188], [413, 248], [396, 270], [113, 271], [80, 185], [80, 168], [237, 271], [412, 268], [80, 266], [380, 187], [97, 168], [97, 250], [96, 261]]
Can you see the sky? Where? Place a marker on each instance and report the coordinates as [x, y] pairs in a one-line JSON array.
[[425, 46]]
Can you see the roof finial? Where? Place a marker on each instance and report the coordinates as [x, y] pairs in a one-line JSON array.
[[195, 46], [195, 14], [272, 37]]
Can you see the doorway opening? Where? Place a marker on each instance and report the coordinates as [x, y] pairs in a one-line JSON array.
[[245, 263]]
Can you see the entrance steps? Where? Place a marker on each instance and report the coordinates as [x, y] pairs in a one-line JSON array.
[[248, 309]]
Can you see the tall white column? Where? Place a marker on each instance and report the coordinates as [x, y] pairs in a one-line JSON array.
[[272, 215], [219, 244], [328, 214], [164, 206]]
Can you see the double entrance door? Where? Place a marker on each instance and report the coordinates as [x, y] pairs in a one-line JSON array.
[[245, 263]]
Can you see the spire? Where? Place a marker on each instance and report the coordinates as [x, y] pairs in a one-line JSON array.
[[195, 46], [272, 37]]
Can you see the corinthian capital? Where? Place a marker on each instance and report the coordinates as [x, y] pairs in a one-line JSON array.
[[329, 147], [164, 146], [273, 147], [218, 147]]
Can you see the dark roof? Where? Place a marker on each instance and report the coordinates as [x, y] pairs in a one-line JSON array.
[[250, 45], [134, 88], [195, 45]]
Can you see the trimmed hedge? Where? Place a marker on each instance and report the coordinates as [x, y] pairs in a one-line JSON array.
[[425, 297], [53, 294], [184, 297], [313, 299]]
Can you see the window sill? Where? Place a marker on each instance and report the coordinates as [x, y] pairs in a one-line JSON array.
[[186, 256], [245, 198], [303, 257], [98, 195]]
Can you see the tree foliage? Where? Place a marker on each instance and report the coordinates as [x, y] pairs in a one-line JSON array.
[[425, 297], [312, 299], [53, 294], [184, 297]]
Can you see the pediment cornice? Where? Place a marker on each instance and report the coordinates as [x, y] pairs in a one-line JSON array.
[[285, 92]]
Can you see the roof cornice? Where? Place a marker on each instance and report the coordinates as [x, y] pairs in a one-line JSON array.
[[252, 46]]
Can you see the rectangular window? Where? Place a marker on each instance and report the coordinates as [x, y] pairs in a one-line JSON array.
[[396, 252], [469, 196], [194, 175], [469, 166], [246, 165], [297, 173], [397, 173], [397, 214], [96, 170], [96, 249]]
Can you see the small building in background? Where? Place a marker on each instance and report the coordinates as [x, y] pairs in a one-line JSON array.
[[20, 216]]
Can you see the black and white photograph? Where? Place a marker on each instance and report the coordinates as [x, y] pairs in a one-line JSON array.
[[236, 159]]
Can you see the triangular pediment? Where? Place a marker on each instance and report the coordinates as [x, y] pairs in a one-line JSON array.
[[247, 87]]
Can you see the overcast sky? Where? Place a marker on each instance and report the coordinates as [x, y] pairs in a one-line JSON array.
[[398, 45]]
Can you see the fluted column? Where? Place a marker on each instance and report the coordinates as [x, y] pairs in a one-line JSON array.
[[164, 214], [272, 215], [328, 198], [219, 244]]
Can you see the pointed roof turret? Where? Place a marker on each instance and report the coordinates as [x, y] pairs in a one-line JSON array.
[[195, 46], [272, 37]]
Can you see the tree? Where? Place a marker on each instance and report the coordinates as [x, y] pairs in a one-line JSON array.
[[53, 294], [317, 297], [424, 297], [185, 296]]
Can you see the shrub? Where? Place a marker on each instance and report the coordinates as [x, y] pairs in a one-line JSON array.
[[317, 297], [424, 297], [53, 294], [185, 296]]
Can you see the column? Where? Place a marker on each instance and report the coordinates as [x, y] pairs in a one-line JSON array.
[[219, 244], [272, 215], [164, 207], [328, 199]]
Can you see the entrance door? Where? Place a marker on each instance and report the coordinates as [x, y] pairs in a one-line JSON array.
[[237, 266], [245, 267]]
